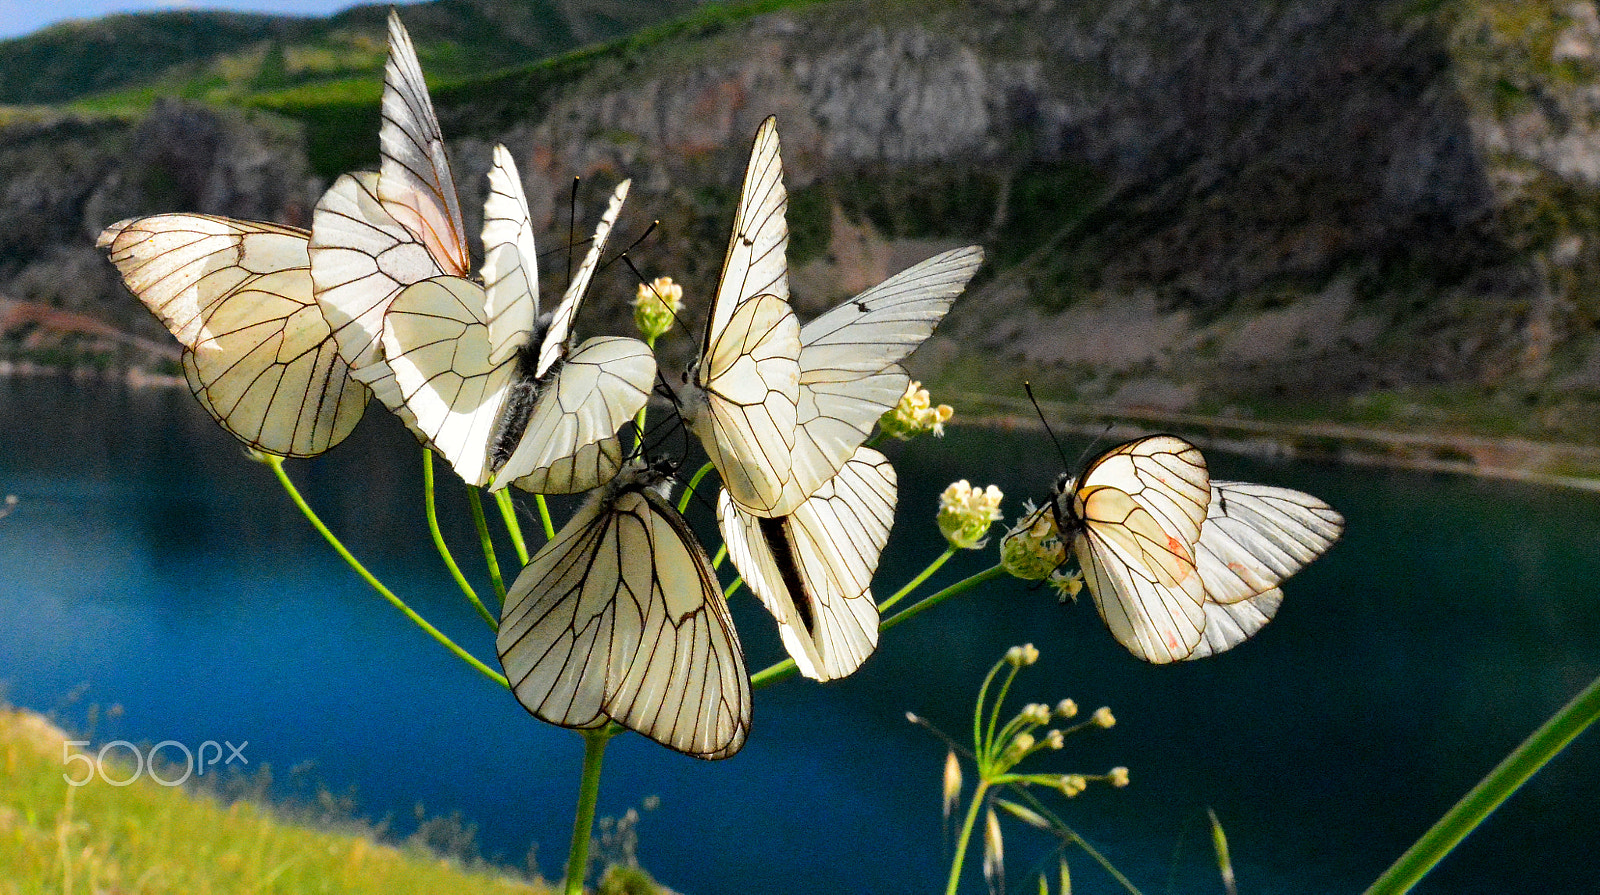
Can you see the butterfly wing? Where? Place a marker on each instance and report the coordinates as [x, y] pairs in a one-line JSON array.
[[238, 297], [1254, 537], [510, 264], [813, 569], [555, 340], [620, 618], [757, 259], [414, 183], [849, 360], [1136, 514], [749, 385], [436, 343], [570, 443]]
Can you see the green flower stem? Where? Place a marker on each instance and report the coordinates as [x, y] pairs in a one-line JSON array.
[[508, 514], [444, 549], [997, 747], [954, 590], [594, 751], [916, 582], [294, 494], [980, 746], [1505, 779], [965, 836], [689, 489], [544, 518], [781, 671], [482, 524]]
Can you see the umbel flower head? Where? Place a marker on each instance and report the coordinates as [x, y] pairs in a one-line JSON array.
[[1032, 549], [916, 414], [965, 514], [656, 307]]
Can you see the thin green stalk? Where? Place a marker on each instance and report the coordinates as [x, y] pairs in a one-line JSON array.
[[954, 590], [782, 671], [294, 494], [916, 582], [1541, 746], [489, 556], [444, 550], [594, 751], [965, 836], [544, 517], [1071, 836], [688, 490], [508, 515]]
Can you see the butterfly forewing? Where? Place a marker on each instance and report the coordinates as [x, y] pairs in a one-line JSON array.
[[510, 268], [757, 259], [414, 181], [813, 569], [620, 618], [556, 338], [257, 353]]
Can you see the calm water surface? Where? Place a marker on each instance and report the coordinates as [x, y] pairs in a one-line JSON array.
[[151, 566]]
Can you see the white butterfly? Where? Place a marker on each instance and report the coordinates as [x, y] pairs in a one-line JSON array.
[[372, 235], [256, 350], [813, 568], [1179, 566], [849, 376], [497, 389], [620, 618], [780, 409]]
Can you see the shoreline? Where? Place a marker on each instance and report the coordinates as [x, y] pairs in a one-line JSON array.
[[1547, 463]]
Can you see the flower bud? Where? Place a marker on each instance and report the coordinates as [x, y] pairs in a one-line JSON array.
[[1036, 713], [1055, 739], [1102, 717], [994, 859], [1072, 784], [915, 414], [1032, 549], [1066, 708], [952, 783], [1118, 777], [965, 514], [1023, 655], [654, 308], [1066, 585]]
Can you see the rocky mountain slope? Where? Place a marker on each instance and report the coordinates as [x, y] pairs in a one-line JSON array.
[[1333, 208]]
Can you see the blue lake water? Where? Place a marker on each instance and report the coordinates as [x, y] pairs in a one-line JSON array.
[[150, 566]]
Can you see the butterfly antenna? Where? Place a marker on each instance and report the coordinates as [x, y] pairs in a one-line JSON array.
[[1028, 387], [631, 246], [572, 226]]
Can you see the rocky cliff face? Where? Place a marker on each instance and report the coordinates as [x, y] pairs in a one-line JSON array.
[[1189, 203]]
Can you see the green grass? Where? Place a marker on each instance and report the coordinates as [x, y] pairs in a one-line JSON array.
[[148, 838]]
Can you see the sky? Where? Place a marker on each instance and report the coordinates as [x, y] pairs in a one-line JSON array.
[[19, 17]]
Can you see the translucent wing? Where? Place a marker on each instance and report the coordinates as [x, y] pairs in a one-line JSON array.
[[744, 403], [1254, 536], [620, 618], [555, 339], [813, 569], [414, 180], [1230, 624], [570, 443], [510, 268], [849, 361], [360, 260], [257, 352], [1135, 516], [1257, 535], [757, 260], [437, 344]]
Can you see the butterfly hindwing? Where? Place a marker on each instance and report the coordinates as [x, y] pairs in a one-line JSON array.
[[813, 568]]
